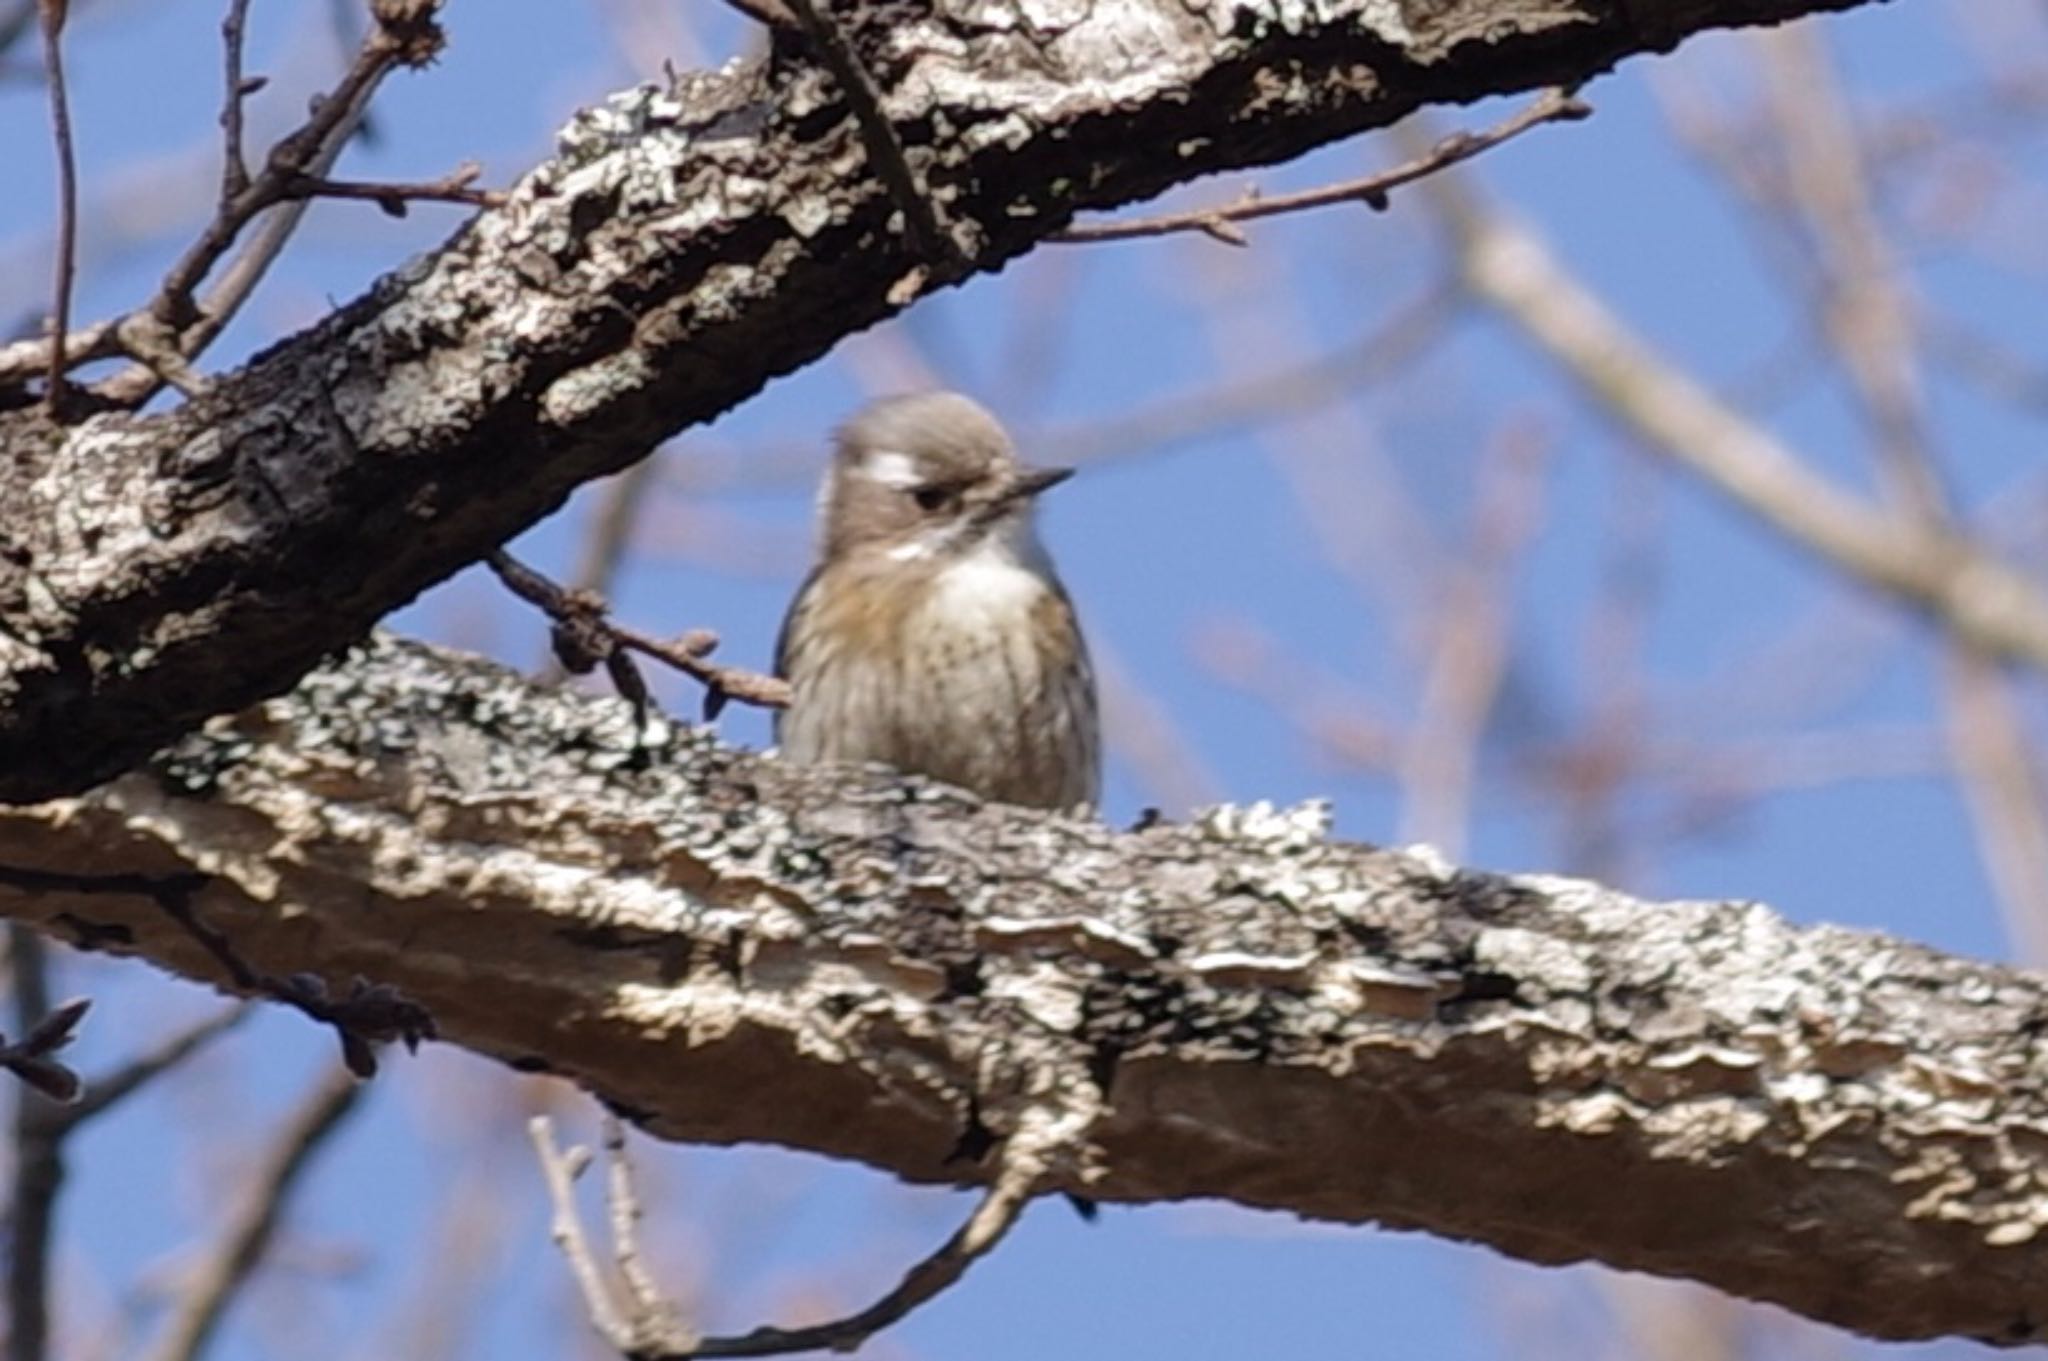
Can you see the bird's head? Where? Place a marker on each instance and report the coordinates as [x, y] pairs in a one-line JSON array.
[[926, 478]]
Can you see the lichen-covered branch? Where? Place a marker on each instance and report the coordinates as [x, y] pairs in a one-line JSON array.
[[682, 248], [728, 949]]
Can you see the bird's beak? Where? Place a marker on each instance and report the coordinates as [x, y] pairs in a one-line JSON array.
[[1031, 481]]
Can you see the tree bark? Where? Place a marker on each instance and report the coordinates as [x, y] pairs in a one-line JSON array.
[[728, 949], [683, 248]]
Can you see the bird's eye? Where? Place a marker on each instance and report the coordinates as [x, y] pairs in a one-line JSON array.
[[932, 498]]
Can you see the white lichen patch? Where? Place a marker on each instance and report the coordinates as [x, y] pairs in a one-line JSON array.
[[593, 131], [1596, 1113], [1240, 968], [808, 214], [1097, 939], [1262, 824], [1352, 988], [1013, 131], [1381, 18], [1044, 992], [1535, 961], [580, 393], [1706, 1131]]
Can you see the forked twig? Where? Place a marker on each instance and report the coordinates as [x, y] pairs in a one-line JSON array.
[[649, 1328], [165, 334], [586, 637], [646, 1332]]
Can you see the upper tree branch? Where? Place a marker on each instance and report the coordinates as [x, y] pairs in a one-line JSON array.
[[727, 949], [682, 250]]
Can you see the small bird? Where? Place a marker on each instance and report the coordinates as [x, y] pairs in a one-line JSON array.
[[933, 635]]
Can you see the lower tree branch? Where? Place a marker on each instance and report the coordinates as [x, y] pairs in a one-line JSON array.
[[727, 949]]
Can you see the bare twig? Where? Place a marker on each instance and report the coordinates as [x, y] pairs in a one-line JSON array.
[[606, 539], [1552, 106], [28, 1058], [660, 1332], [41, 1127], [928, 235], [176, 325], [234, 169], [1236, 403], [366, 1015], [38, 1173], [653, 1331], [655, 1312], [454, 187], [381, 50], [103, 1093], [52, 12], [585, 638], [254, 1225], [772, 13]]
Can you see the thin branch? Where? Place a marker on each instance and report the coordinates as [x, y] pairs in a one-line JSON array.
[[253, 1228], [53, 12], [929, 236], [1470, 644], [1978, 597], [606, 539], [623, 1197], [1232, 404], [38, 1168], [638, 1335], [234, 169], [1552, 106], [103, 1093], [366, 1015], [1871, 321], [772, 13], [586, 637], [392, 197], [331, 114], [175, 327], [1000, 1207], [651, 1329]]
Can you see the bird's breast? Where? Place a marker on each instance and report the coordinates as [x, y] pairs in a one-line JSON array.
[[970, 670]]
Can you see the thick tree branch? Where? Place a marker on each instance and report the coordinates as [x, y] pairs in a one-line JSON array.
[[727, 949], [683, 248]]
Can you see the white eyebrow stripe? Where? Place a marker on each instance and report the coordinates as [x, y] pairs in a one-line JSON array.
[[891, 469]]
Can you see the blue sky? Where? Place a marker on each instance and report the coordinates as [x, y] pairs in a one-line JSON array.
[[1312, 537]]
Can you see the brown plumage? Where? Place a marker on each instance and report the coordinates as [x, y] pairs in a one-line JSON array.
[[933, 635]]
